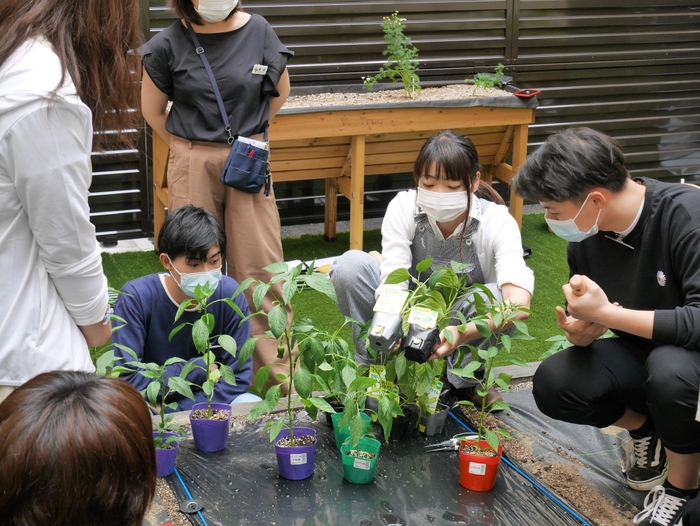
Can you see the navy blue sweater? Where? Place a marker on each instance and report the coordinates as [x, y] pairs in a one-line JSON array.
[[150, 313], [661, 273]]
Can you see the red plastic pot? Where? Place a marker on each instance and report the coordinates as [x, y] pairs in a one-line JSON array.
[[478, 472]]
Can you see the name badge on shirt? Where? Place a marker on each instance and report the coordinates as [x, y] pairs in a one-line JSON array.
[[259, 69]]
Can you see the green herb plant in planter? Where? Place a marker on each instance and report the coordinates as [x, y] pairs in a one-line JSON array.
[[487, 80], [359, 451], [402, 58], [345, 384], [166, 432], [210, 421], [294, 445], [479, 458], [413, 382]]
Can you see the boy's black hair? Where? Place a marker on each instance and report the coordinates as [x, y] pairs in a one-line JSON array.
[[191, 232], [569, 164]]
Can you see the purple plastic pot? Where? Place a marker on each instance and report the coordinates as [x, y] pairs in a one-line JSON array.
[[165, 458], [210, 435], [296, 463]]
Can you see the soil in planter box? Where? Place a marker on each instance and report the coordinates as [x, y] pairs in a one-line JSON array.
[[361, 454], [470, 449], [304, 440], [216, 414]]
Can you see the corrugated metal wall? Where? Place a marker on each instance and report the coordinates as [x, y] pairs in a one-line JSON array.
[[629, 69]]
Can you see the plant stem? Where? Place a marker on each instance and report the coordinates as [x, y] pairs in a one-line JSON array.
[[207, 363], [290, 415]]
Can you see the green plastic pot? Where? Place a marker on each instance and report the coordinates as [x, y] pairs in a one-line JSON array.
[[359, 470], [343, 434]]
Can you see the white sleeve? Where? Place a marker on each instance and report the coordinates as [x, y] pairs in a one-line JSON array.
[[398, 231], [507, 248], [50, 162]]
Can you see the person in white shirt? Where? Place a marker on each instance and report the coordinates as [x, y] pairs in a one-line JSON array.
[[451, 215], [64, 68]]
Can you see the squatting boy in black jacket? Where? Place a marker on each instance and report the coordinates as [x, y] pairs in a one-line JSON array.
[[634, 258]]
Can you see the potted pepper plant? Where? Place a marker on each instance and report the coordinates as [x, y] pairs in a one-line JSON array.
[[210, 421], [413, 383], [359, 451], [166, 432], [295, 446], [479, 458]]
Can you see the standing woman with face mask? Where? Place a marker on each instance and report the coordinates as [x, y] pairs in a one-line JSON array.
[[451, 215], [249, 64]]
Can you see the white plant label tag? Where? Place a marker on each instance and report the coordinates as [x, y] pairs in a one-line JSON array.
[[423, 317], [259, 69], [391, 300], [297, 459], [477, 469], [361, 464]]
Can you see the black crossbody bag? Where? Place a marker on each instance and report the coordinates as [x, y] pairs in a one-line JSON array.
[[247, 167]]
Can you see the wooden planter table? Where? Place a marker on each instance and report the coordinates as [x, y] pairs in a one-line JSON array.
[[343, 144]]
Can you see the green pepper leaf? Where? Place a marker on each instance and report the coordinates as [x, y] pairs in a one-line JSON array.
[[277, 318], [302, 382], [227, 374], [200, 335], [424, 265], [322, 284]]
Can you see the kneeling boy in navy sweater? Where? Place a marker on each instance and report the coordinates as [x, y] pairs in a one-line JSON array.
[[191, 243]]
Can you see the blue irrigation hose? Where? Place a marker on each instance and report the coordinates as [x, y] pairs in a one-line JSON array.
[[189, 495], [530, 479]]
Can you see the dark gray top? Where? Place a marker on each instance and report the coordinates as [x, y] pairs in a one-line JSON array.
[[170, 60]]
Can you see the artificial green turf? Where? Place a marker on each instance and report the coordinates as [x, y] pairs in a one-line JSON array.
[[548, 261]]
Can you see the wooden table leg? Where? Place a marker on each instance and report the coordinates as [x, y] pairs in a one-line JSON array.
[[331, 209], [357, 192]]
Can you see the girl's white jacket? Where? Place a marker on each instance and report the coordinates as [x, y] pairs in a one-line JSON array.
[[51, 277]]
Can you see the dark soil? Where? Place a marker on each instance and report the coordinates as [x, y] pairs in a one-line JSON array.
[[471, 449], [361, 454], [304, 440], [216, 414]]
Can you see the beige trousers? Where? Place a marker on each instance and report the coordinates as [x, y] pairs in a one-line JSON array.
[[252, 225]]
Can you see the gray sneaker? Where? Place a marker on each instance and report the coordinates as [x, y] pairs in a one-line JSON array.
[[662, 507], [647, 465]]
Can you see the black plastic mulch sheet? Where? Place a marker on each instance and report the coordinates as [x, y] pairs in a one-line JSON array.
[[240, 486], [599, 455]]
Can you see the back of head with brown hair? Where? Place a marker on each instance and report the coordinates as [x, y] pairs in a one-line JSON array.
[[76, 449], [95, 41]]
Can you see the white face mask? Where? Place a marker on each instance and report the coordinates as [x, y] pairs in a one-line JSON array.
[[189, 281], [442, 206], [215, 10], [567, 229]]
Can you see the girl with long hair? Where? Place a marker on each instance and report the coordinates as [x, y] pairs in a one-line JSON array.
[[66, 68]]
